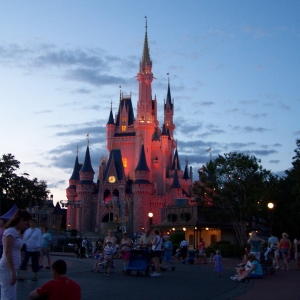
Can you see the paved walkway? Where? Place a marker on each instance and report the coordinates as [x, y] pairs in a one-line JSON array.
[[192, 281]]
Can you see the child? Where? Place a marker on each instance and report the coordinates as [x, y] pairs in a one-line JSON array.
[[218, 263], [167, 253], [99, 260], [108, 256]]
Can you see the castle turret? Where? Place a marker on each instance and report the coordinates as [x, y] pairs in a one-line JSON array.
[[142, 190], [110, 130], [85, 190], [169, 112], [71, 193]]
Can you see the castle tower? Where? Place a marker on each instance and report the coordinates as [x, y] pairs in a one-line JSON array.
[[142, 189], [110, 130], [85, 189], [146, 120], [72, 195]]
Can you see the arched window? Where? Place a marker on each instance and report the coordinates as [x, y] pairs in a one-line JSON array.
[[124, 160]]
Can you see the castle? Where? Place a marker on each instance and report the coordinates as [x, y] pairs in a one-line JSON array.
[[142, 175]]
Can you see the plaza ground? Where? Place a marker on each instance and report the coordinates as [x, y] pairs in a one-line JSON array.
[[188, 281]]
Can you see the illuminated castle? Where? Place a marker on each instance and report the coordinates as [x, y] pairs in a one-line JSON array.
[[142, 174]]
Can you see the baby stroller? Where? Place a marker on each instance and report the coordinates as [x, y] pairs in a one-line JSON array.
[[190, 258], [139, 261], [266, 261]]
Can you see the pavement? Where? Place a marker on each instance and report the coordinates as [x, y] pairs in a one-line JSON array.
[[188, 281]]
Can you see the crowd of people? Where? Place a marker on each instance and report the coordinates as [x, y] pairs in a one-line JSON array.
[[21, 240]]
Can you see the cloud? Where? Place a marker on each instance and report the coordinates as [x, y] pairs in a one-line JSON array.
[[247, 129], [274, 161], [43, 112], [81, 91], [56, 184]]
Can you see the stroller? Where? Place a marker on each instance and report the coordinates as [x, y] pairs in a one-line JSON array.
[[267, 262], [139, 261], [190, 258]]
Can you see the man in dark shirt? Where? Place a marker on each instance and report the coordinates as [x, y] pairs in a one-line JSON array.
[[61, 288]]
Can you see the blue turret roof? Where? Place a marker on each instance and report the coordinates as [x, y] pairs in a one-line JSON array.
[[164, 130], [168, 100], [186, 173], [176, 163], [142, 164], [76, 169], [175, 183], [125, 103], [111, 118], [87, 165]]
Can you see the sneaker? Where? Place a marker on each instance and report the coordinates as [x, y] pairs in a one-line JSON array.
[[154, 274], [158, 275], [277, 267], [107, 274]]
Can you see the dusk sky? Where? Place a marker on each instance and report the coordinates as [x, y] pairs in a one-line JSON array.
[[234, 69]]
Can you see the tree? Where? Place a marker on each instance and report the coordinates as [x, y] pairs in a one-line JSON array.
[[236, 185], [286, 212], [19, 190]]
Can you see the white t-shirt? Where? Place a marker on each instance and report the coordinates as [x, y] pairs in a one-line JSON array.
[[16, 249], [33, 239]]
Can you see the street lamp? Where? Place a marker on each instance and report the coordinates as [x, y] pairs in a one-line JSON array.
[[270, 207], [150, 215]]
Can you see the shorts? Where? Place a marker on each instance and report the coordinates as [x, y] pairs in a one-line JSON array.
[[126, 255], [167, 257], [284, 251]]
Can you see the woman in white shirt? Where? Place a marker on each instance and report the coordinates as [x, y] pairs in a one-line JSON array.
[[11, 259]]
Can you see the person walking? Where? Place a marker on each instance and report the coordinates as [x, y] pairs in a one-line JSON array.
[[61, 288], [218, 263], [32, 238], [184, 248], [11, 259], [156, 250], [255, 243], [285, 249], [45, 247], [125, 247]]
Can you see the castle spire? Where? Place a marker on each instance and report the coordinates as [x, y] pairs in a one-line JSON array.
[[111, 118], [146, 52]]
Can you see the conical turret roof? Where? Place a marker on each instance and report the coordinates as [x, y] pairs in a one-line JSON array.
[[175, 183], [87, 165], [142, 164], [76, 169], [176, 163]]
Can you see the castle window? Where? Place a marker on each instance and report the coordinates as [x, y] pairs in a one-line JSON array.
[[124, 160], [123, 119], [123, 128]]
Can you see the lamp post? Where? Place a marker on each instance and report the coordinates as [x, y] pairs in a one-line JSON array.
[[150, 215], [270, 207]]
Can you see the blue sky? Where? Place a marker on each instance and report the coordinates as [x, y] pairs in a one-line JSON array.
[[234, 72]]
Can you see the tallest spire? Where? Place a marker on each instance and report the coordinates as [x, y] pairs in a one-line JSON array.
[[146, 53]]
